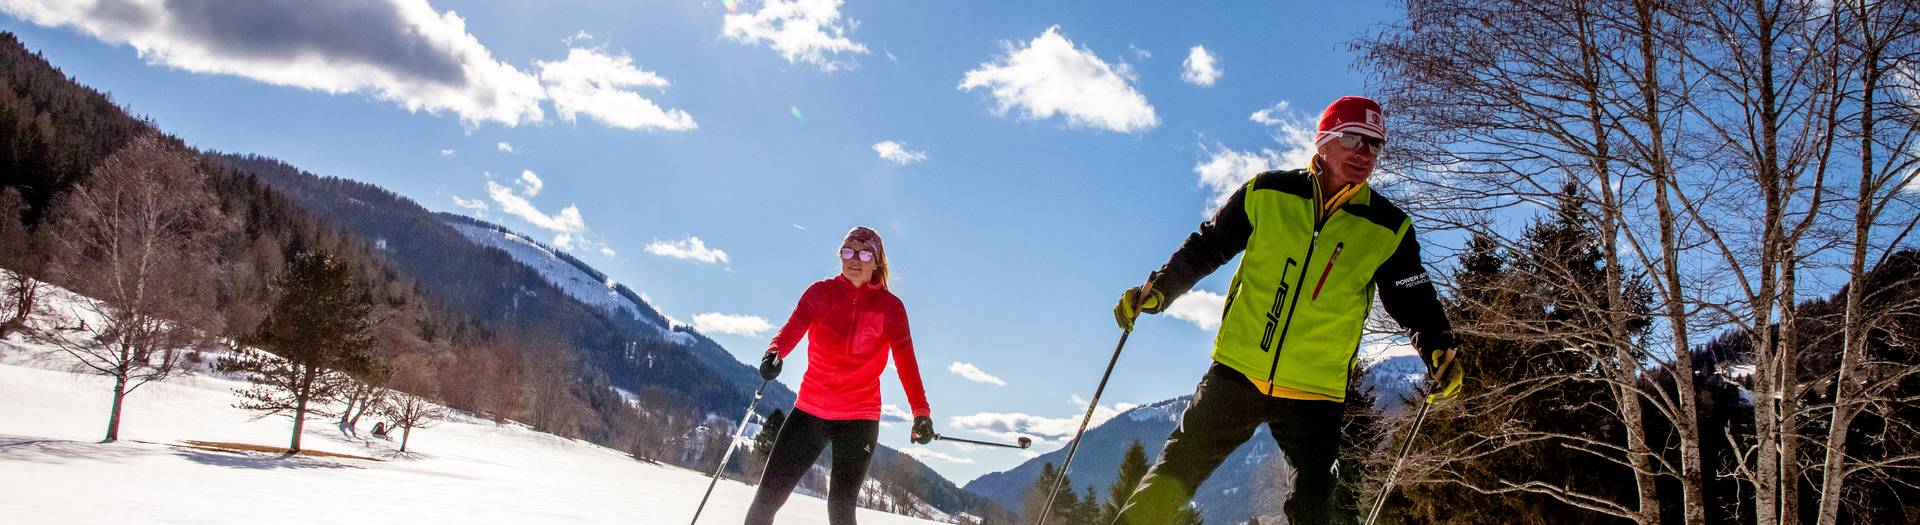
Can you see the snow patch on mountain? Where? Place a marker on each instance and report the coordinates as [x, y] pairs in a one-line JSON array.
[[596, 291]]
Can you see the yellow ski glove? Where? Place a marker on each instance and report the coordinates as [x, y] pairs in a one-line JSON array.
[[1131, 305], [1445, 374]]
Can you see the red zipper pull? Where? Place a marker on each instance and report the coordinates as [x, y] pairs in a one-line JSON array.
[[1328, 270]]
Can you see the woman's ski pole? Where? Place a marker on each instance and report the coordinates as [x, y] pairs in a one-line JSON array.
[[757, 392], [1074, 446], [1024, 442]]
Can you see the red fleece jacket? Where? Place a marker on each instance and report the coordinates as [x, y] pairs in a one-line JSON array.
[[848, 329]]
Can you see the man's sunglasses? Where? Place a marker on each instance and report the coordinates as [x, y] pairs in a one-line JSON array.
[[847, 254], [1353, 141]]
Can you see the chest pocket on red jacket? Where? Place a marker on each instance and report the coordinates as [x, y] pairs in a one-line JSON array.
[[869, 332]]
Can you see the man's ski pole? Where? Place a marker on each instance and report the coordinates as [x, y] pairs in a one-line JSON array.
[[1074, 446], [1024, 442], [1425, 403], [757, 392]]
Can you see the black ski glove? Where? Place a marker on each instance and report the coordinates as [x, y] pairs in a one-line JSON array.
[[922, 429], [770, 366]]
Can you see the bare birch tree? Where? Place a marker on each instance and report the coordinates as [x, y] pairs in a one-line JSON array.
[[133, 240]]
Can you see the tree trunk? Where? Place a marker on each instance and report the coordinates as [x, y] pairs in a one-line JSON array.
[[113, 415], [1833, 477], [346, 416], [405, 432], [1693, 498], [300, 397]]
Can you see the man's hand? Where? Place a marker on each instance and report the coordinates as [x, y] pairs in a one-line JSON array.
[[1136, 300], [1443, 373], [770, 366], [922, 429]]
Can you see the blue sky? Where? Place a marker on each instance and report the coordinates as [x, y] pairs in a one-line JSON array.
[[1013, 214]]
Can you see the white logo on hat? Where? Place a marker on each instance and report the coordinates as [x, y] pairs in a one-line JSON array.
[[1373, 117]]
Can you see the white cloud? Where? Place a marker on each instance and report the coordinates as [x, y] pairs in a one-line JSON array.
[[690, 248], [591, 82], [529, 183], [1050, 76], [1226, 169], [926, 454], [568, 220], [607, 251], [1012, 426], [1201, 67], [1138, 53], [1275, 115], [580, 36], [401, 51], [504, 147], [1200, 307], [563, 241], [731, 324], [471, 204], [892, 413], [446, 153], [809, 31], [974, 374], [898, 153]]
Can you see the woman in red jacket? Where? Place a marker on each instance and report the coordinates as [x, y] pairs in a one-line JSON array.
[[852, 322]]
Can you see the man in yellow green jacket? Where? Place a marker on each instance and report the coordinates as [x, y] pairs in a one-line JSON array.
[[1318, 244]]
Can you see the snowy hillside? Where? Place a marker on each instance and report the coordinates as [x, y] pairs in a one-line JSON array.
[[593, 290], [465, 470]]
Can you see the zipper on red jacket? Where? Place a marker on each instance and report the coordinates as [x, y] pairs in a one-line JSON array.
[[1328, 270]]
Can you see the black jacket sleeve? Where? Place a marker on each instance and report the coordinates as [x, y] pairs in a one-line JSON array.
[[1217, 241], [1410, 298]]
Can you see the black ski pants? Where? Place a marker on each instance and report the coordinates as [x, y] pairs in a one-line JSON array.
[[797, 446], [1226, 410]]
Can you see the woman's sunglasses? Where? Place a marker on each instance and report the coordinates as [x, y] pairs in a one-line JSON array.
[[847, 254], [1353, 141]]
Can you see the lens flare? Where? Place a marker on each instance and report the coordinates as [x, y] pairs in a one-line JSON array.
[[796, 113], [731, 5]]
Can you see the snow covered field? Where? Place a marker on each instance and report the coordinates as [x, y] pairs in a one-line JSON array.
[[53, 469]]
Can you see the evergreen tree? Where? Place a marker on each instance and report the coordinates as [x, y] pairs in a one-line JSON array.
[[1087, 512], [763, 443], [1064, 502], [1133, 467], [318, 330]]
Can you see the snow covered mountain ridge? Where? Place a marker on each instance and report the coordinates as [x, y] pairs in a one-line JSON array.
[[571, 276]]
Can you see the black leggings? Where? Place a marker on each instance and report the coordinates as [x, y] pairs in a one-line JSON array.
[[799, 443]]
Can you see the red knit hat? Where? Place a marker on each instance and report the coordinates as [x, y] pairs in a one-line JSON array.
[[1352, 115]]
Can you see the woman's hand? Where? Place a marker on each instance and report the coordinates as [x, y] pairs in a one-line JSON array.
[[922, 429], [770, 366]]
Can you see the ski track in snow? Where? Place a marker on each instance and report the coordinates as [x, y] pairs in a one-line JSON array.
[[53, 469]]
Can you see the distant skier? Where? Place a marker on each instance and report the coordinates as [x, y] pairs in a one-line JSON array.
[[1318, 242], [852, 322]]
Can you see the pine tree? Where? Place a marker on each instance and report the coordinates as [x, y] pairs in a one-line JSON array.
[[318, 329], [763, 443], [1064, 502], [1087, 512], [1133, 467]]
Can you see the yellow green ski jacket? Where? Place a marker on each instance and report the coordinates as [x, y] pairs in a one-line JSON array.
[[1299, 301]]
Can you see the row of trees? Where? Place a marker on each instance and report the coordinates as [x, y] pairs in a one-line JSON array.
[[1710, 162], [1087, 508]]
